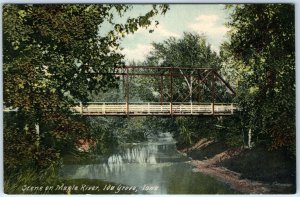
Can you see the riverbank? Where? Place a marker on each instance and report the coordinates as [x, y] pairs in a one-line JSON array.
[[254, 171]]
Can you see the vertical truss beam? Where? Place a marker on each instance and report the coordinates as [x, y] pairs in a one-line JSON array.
[[161, 89], [127, 92], [213, 93]]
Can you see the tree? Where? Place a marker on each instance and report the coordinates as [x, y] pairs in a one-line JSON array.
[[55, 55], [190, 51], [59, 51], [262, 47]]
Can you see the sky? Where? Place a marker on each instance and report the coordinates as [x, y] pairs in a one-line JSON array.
[[209, 19]]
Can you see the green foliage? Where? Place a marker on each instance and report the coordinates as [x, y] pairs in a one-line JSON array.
[[230, 131], [55, 55], [14, 184], [56, 51], [191, 129], [190, 51], [262, 52], [262, 165], [22, 143]]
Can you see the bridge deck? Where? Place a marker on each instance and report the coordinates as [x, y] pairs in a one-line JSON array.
[[154, 109]]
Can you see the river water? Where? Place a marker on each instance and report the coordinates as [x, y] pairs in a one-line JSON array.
[[154, 167]]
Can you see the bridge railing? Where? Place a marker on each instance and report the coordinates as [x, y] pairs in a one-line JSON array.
[[154, 108], [150, 108]]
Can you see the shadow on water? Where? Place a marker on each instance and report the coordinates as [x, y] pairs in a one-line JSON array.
[[153, 167]]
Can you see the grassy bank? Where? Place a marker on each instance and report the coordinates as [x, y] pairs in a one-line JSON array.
[[261, 165], [261, 170]]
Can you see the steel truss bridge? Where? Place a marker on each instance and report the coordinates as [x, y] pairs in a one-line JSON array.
[[180, 91]]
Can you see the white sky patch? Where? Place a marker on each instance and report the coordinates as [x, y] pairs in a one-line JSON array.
[[160, 32], [215, 48], [208, 24], [138, 53]]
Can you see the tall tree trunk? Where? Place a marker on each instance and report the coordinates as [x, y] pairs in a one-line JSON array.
[[189, 84], [37, 130], [249, 138]]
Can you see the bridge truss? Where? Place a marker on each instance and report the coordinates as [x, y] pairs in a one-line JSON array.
[[179, 91]]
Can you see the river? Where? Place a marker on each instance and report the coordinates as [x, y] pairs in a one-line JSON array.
[[153, 167]]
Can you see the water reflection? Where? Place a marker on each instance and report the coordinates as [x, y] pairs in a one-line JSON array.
[[155, 163]]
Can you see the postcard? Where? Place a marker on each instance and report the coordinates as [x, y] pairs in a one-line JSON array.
[[149, 98]]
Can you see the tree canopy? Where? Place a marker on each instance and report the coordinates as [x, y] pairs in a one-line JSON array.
[[192, 50], [55, 55], [56, 51], [262, 51]]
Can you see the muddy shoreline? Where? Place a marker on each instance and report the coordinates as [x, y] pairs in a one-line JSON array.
[[212, 166]]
